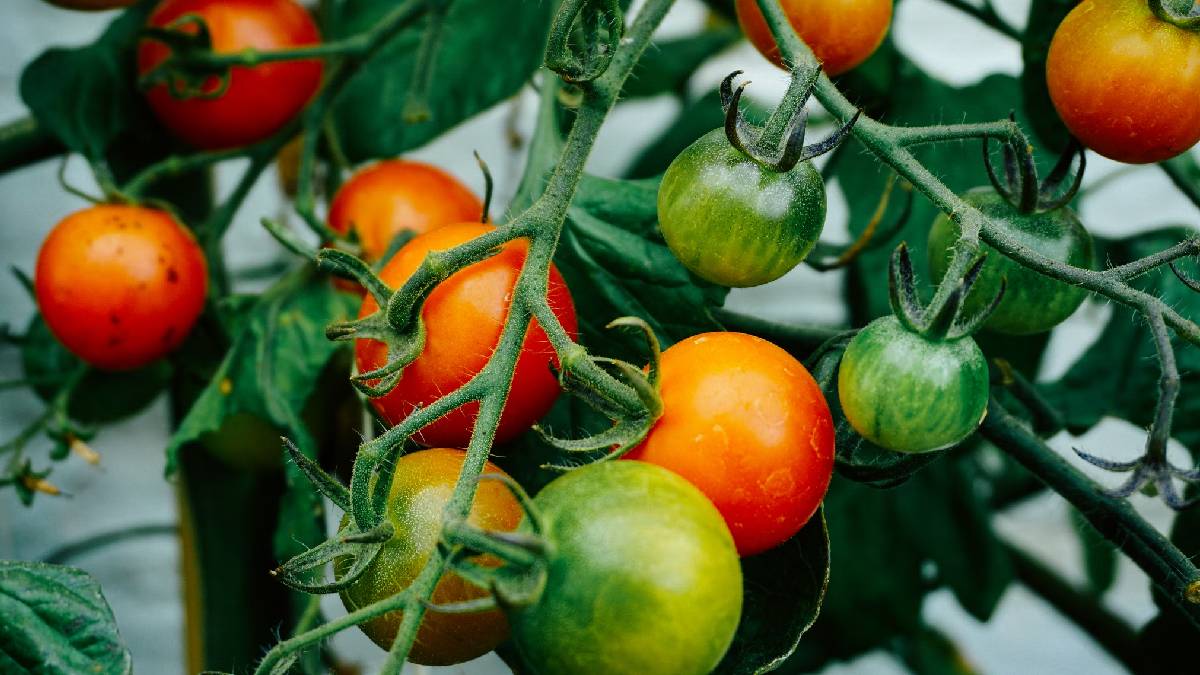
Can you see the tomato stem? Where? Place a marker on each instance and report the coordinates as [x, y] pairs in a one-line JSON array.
[[1169, 569]]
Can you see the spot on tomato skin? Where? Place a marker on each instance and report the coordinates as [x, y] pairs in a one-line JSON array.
[[779, 483]]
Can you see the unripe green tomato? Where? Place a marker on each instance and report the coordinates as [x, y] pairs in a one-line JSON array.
[[735, 222], [1032, 303], [91, 5], [905, 392], [643, 577]]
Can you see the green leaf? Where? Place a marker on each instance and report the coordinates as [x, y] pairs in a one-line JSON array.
[[276, 358], [1044, 17], [616, 264], [1118, 375], [667, 66], [488, 51], [102, 396], [876, 588], [86, 96], [56, 622], [946, 519], [782, 594], [930, 652]]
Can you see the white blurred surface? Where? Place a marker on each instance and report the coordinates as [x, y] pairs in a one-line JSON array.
[[140, 578]]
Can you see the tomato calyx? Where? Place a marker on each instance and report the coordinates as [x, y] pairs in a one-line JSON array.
[[398, 323], [589, 378], [749, 141], [944, 322], [603, 26], [1165, 12], [1020, 186], [521, 577], [186, 72]]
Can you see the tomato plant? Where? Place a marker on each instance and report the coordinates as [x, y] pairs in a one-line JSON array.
[[659, 510], [425, 480], [747, 424], [841, 33], [463, 319], [389, 197], [256, 101], [120, 286], [643, 576], [734, 222], [1122, 80], [1032, 303]]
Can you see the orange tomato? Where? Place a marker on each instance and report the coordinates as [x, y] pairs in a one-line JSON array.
[[745, 423], [120, 286], [259, 100], [1126, 83], [394, 195], [842, 33], [420, 491], [464, 317]]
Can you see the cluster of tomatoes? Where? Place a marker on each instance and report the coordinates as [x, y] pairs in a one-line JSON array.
[[744, 450]]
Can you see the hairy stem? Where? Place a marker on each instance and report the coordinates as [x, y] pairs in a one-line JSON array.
[[1169, 569]]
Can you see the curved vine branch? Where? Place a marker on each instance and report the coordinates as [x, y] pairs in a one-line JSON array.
[[541, 224], [891, 146]]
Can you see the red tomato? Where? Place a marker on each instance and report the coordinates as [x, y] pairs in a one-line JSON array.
[[394, 195], [259, 100], [120, 286], [1126, 83], [463, 319], [747, 424], [842, 33]]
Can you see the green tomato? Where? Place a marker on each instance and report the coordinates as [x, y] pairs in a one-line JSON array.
[[1032, 303], [905, 392], [734, 222], [643, 577]]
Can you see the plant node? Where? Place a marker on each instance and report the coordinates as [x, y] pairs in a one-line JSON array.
[[793, 151]]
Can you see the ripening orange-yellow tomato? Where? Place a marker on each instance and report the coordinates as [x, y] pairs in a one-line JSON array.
[[841, 33]]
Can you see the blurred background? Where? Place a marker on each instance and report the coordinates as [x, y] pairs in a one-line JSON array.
[[140, 577]]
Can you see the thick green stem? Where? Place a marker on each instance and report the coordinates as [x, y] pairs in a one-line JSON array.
[[889, 144], [1169, 569], [23, 142], [542, 224]]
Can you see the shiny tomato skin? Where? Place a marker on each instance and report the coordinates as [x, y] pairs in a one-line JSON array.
[[905, 392], [643, 577], [1032, 303], [120, 286], [259, 100], [463, 318], [394, 195], [841, 33], [1125, 82], [747, 424], [422, 487], [733, 222]]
